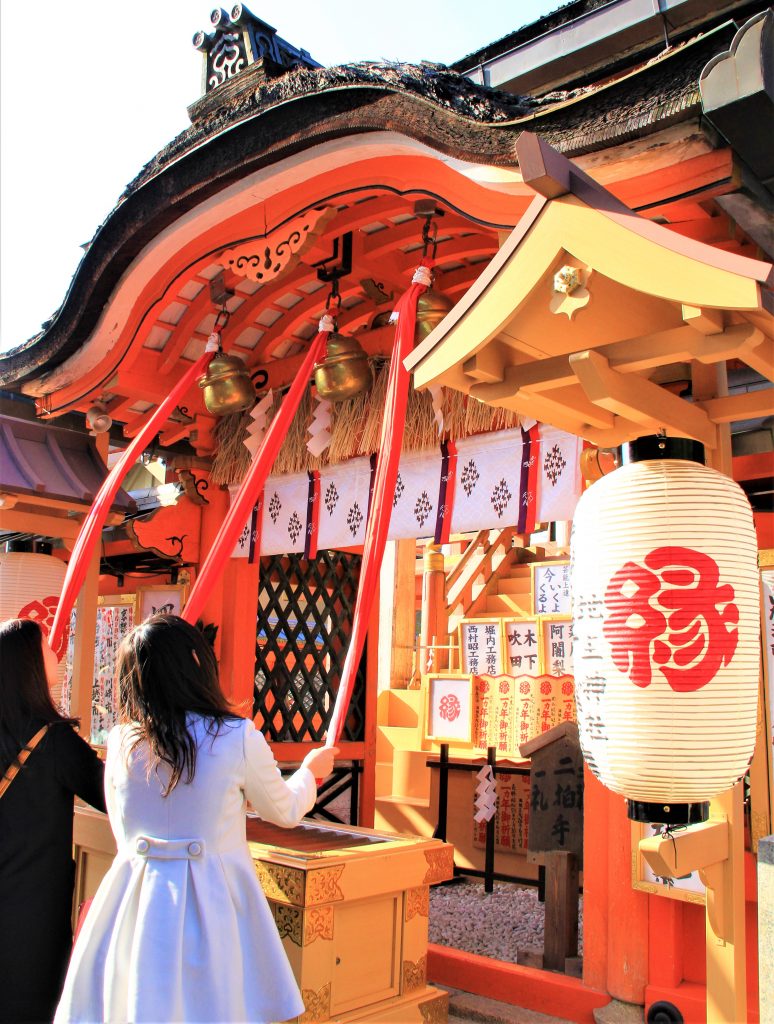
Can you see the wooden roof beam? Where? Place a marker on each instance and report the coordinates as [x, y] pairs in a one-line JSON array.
[[747, 406], [639, 400], [635, 355]]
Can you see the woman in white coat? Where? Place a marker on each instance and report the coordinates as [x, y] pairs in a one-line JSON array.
[[179, 929]]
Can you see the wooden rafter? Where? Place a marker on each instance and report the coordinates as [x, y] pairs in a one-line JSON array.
[[640, 400]]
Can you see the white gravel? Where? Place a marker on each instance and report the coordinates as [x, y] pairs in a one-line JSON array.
[[495, 924]]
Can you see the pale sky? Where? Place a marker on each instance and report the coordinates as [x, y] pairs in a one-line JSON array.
[[90, 90]]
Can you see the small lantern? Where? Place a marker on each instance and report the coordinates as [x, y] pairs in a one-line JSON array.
[[30, 587], [666, 627], [227, 386], [432, 307], [344, 372]]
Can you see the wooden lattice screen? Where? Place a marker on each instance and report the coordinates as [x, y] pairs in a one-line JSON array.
[[305, 609]]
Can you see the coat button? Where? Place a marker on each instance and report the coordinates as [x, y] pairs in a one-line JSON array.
[[142, 846], [194, 849]]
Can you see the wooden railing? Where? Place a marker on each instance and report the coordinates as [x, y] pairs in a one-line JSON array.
[[488, 557]]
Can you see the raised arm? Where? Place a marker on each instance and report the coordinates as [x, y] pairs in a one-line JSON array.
[[281, 801]]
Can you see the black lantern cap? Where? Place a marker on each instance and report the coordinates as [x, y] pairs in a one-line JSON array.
[[667, 814], [657, 446]]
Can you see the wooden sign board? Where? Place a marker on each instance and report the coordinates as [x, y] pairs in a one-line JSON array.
[[556, 645], [481, 647], [521, 643], [166, 599], [511, 710], [551, 594], [556, 791], [512, 816], [495, 710], [449, 708]]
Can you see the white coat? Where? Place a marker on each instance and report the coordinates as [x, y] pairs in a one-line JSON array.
[[180, 929]]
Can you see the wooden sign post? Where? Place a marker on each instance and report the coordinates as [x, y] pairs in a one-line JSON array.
[[555, 837]]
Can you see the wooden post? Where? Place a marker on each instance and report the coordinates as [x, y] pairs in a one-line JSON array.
[[397, 615], [443, 792], [725, 933], [726, 953], [435, 625], [368, 787], [561, 927]]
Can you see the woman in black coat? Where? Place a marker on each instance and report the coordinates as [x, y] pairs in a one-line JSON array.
[[36, 826]]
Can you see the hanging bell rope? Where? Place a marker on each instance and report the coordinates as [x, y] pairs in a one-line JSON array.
[[91, 530], [388, 457]]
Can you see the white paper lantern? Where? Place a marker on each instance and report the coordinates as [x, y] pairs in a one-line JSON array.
[[30, 586], [666, 626]]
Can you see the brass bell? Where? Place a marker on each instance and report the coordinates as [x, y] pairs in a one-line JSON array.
[[227, 386], [344, 372], [432, 307]]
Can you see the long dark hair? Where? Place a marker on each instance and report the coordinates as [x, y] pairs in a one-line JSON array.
[[165, 670], [24, 693]]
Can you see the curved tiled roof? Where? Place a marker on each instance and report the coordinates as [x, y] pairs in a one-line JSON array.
[[257, 121]]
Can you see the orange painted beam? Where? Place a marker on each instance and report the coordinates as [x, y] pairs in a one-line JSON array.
[[543, 991], [764, 529], [689, 997], [758, 466], [679, 179]]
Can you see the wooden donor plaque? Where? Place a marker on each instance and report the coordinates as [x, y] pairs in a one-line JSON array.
[[556, 791]]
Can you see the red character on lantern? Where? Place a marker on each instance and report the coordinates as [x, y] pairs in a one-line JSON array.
[[667, 611]]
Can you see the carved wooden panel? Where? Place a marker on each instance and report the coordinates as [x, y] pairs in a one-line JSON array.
[[263, 259]]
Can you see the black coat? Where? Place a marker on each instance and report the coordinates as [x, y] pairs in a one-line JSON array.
[[37, 868]]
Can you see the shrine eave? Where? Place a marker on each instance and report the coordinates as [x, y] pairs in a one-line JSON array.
[[636, 297], [258, 127]]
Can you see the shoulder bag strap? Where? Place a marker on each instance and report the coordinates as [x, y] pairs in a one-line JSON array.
[[17, 765]]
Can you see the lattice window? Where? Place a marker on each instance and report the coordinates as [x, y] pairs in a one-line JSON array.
[[305, 610]]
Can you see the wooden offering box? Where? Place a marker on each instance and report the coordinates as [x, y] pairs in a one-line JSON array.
[[351, 905]]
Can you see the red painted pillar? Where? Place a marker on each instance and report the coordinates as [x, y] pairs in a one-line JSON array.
[[615, 916], [239, 626], [627, 940], [595, 890], [665, 955]]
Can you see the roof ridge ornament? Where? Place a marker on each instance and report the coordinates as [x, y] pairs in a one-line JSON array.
[[240, 40]]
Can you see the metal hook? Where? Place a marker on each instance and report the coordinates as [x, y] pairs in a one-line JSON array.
[[221, 319], [334, 298], [429, 236]]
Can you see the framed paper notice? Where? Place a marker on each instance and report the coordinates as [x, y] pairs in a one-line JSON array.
[[556, 645], [551, 588], [481, 649], [160, 600], [522, 647], [116, 616], [689, 887], [449, 708]]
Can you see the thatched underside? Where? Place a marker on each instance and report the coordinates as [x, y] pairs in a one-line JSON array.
[[356, 427]]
